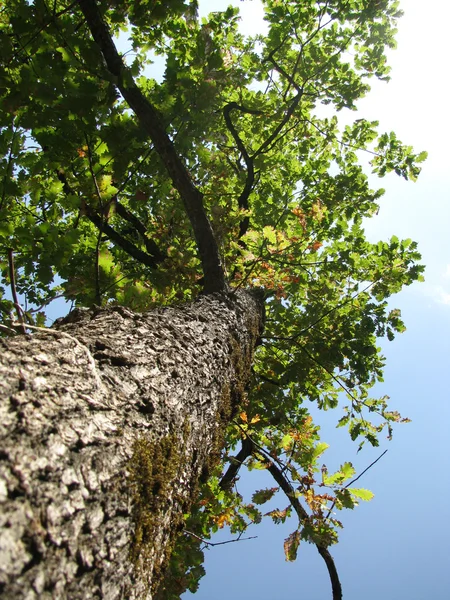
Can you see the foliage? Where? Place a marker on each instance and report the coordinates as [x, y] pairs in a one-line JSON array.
[[90, 212]]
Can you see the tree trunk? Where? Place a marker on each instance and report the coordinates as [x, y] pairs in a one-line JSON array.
[[106, 426]]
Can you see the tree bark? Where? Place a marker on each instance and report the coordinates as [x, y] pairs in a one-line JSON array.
[[106, 426]]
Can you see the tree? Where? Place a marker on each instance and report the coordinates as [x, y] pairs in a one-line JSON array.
[[184, 215]]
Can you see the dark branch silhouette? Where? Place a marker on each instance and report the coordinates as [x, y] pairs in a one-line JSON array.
[[236, 463], [250, 178], [151, 258], [303, 515]]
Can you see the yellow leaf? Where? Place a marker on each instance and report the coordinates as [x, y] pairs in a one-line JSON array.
[[222, 520], [291, 544]]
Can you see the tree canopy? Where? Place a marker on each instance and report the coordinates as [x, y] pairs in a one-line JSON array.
[[235, 170]]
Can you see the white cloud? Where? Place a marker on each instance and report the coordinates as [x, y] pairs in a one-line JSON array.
[[437, 293], [444, 298]]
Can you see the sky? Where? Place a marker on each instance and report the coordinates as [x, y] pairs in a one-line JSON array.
[[398, 545]]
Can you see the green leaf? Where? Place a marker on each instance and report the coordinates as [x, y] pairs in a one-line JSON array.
[[361, 493], [262, 496], [319, 449], [344, 499], [270, 234], [347, 470]]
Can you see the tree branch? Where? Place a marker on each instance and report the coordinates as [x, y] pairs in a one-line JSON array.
[[236, 463], [287, 488], [151, 246], [250, 179], [117, 238], [290, 111], [214, 275], [154, 256], [303, 515]]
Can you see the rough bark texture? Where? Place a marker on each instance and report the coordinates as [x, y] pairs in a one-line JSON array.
[[106, 426]]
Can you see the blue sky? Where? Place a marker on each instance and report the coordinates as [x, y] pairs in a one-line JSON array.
[[398, 545]]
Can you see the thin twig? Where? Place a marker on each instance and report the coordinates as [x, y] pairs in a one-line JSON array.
[[366, 469], [238, 539], [39, 31], [98, 292], [92, 172], [325, 314], [12, 280], [39, 308], [356, 479], [8, 329], [250, 177]]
